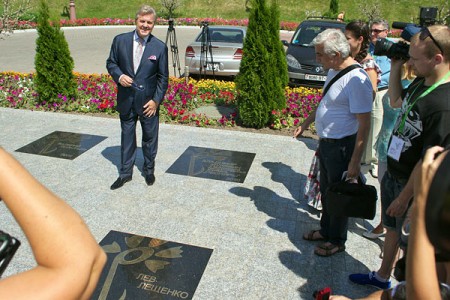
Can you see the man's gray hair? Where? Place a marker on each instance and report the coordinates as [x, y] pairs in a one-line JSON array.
[[333, 41], [382, 22], [146, 10]]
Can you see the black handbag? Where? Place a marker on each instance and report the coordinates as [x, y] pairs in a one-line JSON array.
[[356, 200]]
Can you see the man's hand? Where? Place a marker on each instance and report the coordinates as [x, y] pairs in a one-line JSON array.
[[150, 108], [299, 131], [125, 80], [353, 170]]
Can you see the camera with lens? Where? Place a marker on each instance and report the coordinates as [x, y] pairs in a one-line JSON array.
[[399, 50], [385, 47], [204, 24]]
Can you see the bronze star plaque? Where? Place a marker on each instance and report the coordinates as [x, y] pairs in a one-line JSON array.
[[60, 144], [213, 164], [140, 267]]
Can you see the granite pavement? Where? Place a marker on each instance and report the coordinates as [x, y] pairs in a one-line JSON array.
[[254, 228]]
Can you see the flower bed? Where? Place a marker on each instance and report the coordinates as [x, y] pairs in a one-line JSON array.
[[97, 94], [179, 22]]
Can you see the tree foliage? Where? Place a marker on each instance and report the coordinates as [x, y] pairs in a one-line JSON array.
[[332, 10], [13, 10], [443, 16], [279, 66], [371, 11], [53, 63], [334, 6], [263, 72], [170, 6]]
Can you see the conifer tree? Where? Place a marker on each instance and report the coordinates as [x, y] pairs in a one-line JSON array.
[[53, 63], [334, 7], [280, 67], [260, 82]]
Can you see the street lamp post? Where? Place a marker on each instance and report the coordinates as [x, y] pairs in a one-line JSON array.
[[72, 13]]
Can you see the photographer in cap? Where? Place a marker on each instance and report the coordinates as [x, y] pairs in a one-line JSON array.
[[424, 121]]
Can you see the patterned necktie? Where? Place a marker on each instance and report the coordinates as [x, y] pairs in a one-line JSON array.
[[138, 54]]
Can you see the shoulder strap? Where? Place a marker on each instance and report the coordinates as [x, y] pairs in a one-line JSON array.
[[339, 75]]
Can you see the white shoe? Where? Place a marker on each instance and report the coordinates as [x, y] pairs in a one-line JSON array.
[[372, 236], [374, 171]]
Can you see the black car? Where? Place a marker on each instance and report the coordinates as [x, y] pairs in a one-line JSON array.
[[300, 54]]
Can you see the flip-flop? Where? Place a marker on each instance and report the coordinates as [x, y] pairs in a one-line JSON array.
[[328, 250], [310, 236], [326, 246]]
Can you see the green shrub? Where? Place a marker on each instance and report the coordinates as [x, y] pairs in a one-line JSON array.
[[54, 65], [29, 16], [279, 67], [263, 74]]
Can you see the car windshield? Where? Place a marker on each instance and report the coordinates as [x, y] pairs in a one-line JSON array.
[[224, 35], [305, 35]]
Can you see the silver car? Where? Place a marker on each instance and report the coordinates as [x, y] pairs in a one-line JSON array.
[[217, 51]]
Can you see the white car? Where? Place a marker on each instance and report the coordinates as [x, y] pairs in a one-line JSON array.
[[217, 51]]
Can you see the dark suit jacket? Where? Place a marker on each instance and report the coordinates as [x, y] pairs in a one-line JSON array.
[[153, 72]]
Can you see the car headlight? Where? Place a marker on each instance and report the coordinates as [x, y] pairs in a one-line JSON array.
[[293, 62]]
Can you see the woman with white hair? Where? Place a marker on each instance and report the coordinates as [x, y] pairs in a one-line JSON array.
[[342, 122]]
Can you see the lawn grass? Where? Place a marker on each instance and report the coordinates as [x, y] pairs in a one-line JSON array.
[[291, 10]]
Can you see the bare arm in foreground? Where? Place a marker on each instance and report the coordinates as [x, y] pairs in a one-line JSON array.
[[69, 260]]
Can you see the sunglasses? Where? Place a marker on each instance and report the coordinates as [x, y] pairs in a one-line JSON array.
[[377, 30], [424, 33]]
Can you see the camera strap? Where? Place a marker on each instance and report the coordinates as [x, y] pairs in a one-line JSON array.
[[339, 75], [429, 90]]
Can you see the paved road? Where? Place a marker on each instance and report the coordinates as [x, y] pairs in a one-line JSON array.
[[89, 47]]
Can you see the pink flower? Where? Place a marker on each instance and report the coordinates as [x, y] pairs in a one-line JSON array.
[[152, 57]]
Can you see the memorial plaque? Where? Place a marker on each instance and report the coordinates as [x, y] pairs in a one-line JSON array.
[[213, 164], [140, 267], [60, 144]]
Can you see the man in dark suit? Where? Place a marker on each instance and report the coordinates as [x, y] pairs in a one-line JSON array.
[[138, 63]]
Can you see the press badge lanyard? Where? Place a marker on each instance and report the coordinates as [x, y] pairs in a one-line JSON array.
[[396, 145], [429, 90]]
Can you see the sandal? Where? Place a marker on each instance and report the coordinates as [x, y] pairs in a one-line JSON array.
[[310, 236], [328, 249]]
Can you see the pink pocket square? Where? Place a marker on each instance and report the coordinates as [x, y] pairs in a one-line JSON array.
[[152, 57]]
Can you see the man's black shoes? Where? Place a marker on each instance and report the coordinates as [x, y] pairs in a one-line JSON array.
[[150, 179], [120, 182]]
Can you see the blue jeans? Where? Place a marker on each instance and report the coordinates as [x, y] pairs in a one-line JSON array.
[[334, 157]]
